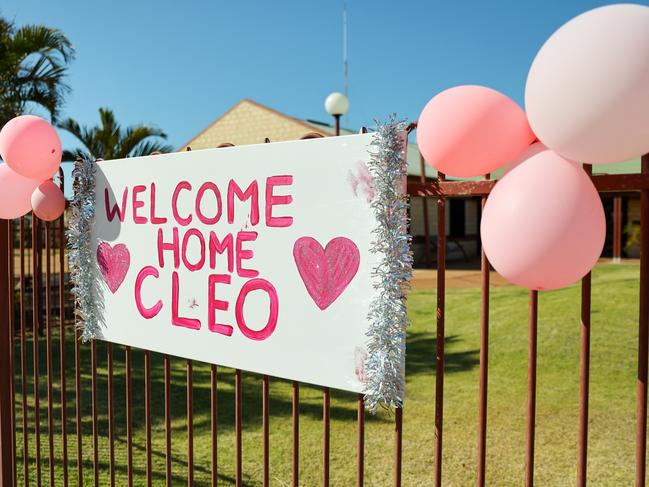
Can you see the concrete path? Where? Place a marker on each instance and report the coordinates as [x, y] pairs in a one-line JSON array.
[[455, 278], [463, 278]]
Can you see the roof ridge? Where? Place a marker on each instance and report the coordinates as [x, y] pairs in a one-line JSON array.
[[259, 105]]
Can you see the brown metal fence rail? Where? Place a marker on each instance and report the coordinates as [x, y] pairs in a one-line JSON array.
[[33, 283], [442, 189]]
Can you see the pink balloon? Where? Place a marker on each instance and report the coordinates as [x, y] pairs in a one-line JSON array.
[[471, 131], [48, 201], [543, 233], [15, 193], [587, 92], [31, 147], [529, 152]]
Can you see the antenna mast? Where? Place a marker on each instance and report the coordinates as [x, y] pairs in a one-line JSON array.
[[345, 65]]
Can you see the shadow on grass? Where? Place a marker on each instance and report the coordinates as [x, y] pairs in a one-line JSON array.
[[420, 360], [158, 476], [421, 354], [343, 405]]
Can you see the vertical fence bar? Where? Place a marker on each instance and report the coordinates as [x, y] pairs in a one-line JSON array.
[[484, 364], [38, 273], [6, 450], [214, 410], [111, 414], [167, 389], [617, 228], [296, 433], [584, 374], [35, 334], [95, 423], [398, 445], [265, 421], [129, 416], [77, 405], [237, 426], [50, 366], [360, 413], [190, 424], [326, 419], [23, 353], [147, 417], [266, 427], [424, 202], [531, 388], [439, 359], [64, 402], [643, 329], [28, 254], [12, 351]]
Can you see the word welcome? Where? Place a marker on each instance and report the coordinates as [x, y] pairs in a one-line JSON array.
[[233, 190]]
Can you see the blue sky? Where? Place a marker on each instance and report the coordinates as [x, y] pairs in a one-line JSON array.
[[181, 64]]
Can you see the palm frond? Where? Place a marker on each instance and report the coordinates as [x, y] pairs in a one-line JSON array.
[[85, 135], [135, 135], [33, 66], [72, 155], [72, 126], [51, 99], [148, 147], [46, 41], [109, 141]]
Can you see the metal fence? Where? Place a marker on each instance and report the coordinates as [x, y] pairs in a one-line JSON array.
[[45, 368]]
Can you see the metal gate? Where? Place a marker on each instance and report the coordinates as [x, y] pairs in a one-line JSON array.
[[66, 408]]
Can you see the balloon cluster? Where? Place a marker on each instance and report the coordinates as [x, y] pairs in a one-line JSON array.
[[587, 100], [31, 150]]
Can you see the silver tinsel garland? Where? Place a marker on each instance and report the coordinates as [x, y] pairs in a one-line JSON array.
[[385, 366], [82, 260]]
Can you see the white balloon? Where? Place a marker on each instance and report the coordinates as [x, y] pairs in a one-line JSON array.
[[587, 92]]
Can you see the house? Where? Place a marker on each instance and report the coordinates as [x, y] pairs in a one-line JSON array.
[[249, 122]]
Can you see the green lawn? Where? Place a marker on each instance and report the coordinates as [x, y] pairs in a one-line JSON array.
[[612, 411]]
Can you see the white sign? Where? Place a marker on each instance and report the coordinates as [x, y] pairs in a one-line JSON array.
[[253, 257]]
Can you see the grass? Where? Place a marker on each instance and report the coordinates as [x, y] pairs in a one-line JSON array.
[[612, 402]]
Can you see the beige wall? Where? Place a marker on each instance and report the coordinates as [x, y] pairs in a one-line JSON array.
[[633, 210], [417, 227], [471, 221], [249, 123], [417, 216], [633, 216]]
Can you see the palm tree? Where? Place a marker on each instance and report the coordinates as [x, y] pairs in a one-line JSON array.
[[110, 141], [33, 66]]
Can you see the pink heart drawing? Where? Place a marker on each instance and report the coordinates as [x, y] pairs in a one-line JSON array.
[[113, 264], [326, 272]]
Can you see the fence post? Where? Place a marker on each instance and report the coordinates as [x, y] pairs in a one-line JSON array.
[[643, 338], [6, 336]]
